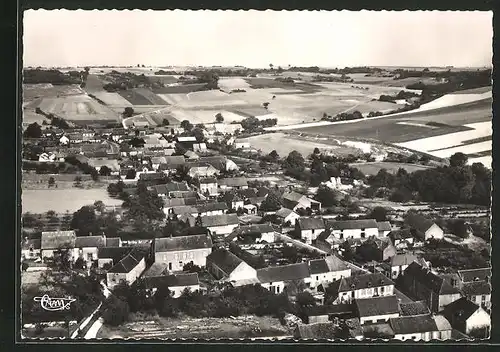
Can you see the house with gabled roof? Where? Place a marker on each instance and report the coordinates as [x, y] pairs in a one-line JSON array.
[[113, 242], [352, 229], [211, 208], [423, 228], [88, 246], [402, 238], [468, 318], [167, 189], [258, 233], [309, 228], [31, 248], [377, 310], [226, 266], [362, 286], [208, 185], [178, 251], [53, 241], [478, 292], [127, 269], [220, 224], [167, 163], [414, 328], [276, 278], [287, 216], [109, 256], [384, 228], [444, 329], [399, 263], [176, 283], [294, 200], [226, 184], [327, 270], [421, 283], [200, 169]]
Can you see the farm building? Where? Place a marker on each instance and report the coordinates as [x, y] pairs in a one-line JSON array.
[[468, 317], [175, 283], [220, 224], [424, 285], [293, 200], [224, 265], [424, 228], [128, 269], [276, 278], [309, 228], [377, 310], [327, 270], [178, 251], [362, 286], [287, 216]]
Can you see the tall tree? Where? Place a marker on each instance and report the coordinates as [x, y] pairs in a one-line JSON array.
[[33, 130]]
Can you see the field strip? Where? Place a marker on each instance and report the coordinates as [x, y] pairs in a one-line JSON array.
[[481, 129], [415, 124], [466, 149], [112, 99]]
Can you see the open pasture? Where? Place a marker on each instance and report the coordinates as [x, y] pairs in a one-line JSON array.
[[62, 200]]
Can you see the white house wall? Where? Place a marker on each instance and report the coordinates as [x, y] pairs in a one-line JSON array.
[[480, 319], [177, 259]]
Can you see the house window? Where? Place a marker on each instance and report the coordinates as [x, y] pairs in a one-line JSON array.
[[394, 273], [382, 289], [317, 277], [380, 320], [169, 266], [341, 235], [89, 256], [277, 289], [483, 298], [363, 235]]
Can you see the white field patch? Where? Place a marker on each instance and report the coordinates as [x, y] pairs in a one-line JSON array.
[[454, 143], [466, 149], [416, 124], [112, 99], [454, 99], [229, 84], [365, 147], [480, 129], [485, 160]]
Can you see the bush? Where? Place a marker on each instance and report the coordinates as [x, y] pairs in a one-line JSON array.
[[116, 311]]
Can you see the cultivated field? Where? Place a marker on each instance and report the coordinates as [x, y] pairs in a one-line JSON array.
[[74, 107], [284, 144], [34, 91], [62, 200]]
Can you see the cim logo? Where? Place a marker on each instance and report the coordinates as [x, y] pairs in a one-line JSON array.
[[54, 304]]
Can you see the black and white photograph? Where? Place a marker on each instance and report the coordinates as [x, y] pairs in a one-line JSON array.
[[256, 175]]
